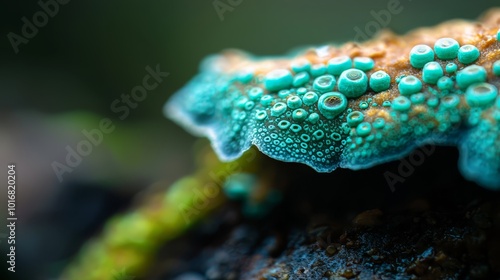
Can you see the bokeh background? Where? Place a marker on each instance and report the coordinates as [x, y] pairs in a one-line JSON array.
[[65, 78]]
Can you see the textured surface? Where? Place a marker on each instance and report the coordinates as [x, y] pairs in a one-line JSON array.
[[312, 107], [436, 226]]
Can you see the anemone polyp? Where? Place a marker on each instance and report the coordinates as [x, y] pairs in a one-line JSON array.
[[471, 75], [278, 79], [363, 63], [354, 118], [380, 81], [445, 83], [401, 103], [337, 65], [353, 83], [332, 104], [451, 68], [299, 115], [324, 83], [294, 102], [495, 68], [446, 48], [318, 70], [363, 129], [450, 101], [481, 94], [432, 72], [278, 109], [420, 55], [300, 79], [310, 98], [468, 54], [255, 93], [409, 85], [300, 65], [417, 98]]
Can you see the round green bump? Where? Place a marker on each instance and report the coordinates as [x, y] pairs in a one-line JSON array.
[[310, 98], [284, 93], [301, 91], [363, 105], [266, 100], [380, 81], [354, 118], [255, 93], [278, 79], [468, 54], [420, 55], [409, 85], [337, 65], [401, 103], [495, 68], [299, 115], [336, 136], [386, 103], [363, 63], [284, 124], [417, 98], [450, 101], [278, 109], [319, 134], [240, 102], [245, 76], [318, 70], [249, 105], [432, 72], [313, 118], [261, 115], [324, 83], [331, 104], [481, 94], [353, 83], [294, 102], [300, 79], [433, 102], [498, 35], [379, 123], [446, 48], [305, 137], [471, 75], [295, 128], [363, 129], [445, 83], [451, 68], [301, 65]]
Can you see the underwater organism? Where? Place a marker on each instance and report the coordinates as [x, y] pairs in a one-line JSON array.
[[356, 105], [350, 106]]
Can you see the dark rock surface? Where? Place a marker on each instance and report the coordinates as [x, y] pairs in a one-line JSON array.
[[349, 225]]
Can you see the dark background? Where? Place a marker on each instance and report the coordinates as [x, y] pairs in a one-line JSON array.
[[66, 77]]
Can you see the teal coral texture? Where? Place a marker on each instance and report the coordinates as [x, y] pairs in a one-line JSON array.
[[351, 111]]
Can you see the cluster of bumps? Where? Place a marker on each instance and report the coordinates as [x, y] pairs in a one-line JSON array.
[[357, 105]]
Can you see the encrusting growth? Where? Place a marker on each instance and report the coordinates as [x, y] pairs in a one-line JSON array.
[[357, 105]]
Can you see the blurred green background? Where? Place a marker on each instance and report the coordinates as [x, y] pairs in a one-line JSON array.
[[66, 77]]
